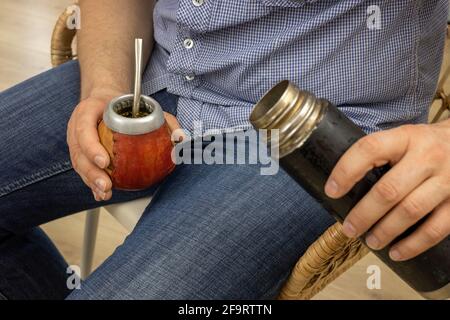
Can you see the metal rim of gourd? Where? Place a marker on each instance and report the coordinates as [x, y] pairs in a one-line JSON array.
[[133, 126]]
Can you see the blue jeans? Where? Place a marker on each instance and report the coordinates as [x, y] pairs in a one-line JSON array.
[[210, 232]]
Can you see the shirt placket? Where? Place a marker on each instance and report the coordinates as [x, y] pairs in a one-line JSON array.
[[192, 20], [193, 17]]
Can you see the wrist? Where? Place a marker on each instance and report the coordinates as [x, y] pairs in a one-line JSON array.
[[103, 93], [444, 127], [104, 83]]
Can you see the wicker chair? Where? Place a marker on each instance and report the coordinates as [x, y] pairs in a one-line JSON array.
[[329, 256]]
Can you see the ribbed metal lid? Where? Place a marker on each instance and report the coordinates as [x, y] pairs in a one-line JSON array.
[[293, 112]]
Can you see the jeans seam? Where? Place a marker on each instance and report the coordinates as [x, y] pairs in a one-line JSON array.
[[35, 177]]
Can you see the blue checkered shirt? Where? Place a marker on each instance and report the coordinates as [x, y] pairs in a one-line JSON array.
[[377, 60]]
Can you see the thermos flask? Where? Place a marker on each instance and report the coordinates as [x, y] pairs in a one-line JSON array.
[[140, 148], [313, 134]]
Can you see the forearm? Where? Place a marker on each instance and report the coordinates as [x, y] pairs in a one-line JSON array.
[[105, 42]]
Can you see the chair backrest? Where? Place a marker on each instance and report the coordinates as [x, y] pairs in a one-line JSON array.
[[62, 38], [442, 99]]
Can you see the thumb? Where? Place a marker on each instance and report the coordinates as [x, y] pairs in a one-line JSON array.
[[178, 134], [172, 122]]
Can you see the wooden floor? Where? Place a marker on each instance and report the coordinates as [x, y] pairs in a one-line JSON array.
[[25, 30]]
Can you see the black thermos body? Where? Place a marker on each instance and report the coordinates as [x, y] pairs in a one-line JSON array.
[[312, 136]]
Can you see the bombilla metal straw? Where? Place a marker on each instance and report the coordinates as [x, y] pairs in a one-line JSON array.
[[137, 76]]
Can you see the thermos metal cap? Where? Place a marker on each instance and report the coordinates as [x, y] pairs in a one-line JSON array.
[[294, 112], [133, 126]]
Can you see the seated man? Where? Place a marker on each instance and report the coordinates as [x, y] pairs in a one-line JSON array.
[[224, 231]]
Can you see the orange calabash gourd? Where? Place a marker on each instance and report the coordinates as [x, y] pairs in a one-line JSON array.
[[140, 159]]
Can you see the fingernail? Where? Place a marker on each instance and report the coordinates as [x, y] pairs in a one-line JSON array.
[[100, 161], [331, 188], [101, 184], [100, 194], [95, 195], [372, 241], [349, 229], [395, 255]]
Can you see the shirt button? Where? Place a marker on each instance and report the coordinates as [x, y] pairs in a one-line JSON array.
[[189, 77], [188, 43], [198, 3]]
